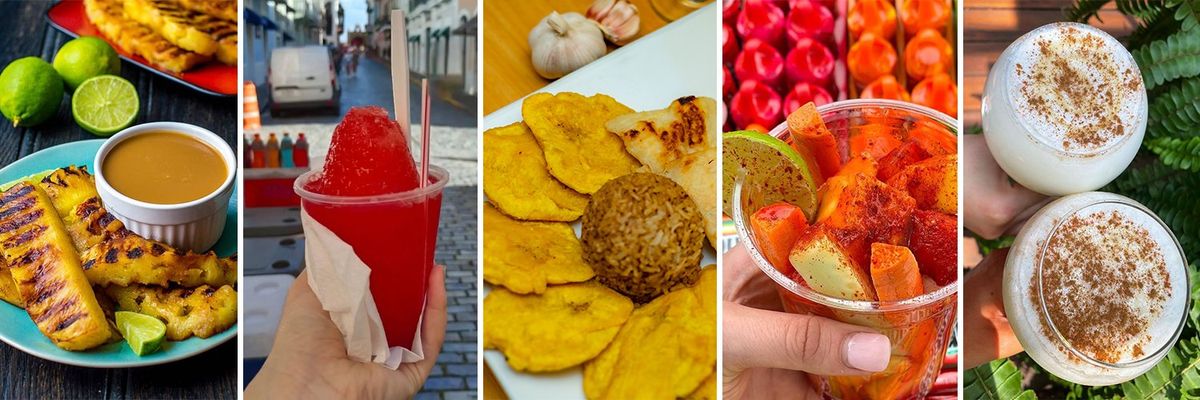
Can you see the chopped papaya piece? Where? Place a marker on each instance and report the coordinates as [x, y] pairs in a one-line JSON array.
[[865, 211], [776, 228], [810, 136], [934, 243], [874, 139], [894, 273], [828, 194], [862, 163], [933, 183], [907, 154], [827, 268]]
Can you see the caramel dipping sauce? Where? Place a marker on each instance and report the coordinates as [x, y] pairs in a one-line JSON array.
[[164, 167]]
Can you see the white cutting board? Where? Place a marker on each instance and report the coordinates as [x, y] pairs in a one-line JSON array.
[[679, 59]]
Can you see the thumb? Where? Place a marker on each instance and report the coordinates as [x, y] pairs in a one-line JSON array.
[[768, 339]]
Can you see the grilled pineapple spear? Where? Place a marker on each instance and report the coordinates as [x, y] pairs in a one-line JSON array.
[[113, 255], [73, 192], [125, 259], [193, 31], [46, 270], [109, 17], [201, 311], [223, 9]]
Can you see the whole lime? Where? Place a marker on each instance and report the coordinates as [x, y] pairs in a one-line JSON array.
[[84, 58], [30, 91]]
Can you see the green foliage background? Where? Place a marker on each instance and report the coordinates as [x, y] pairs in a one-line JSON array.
[[1165, 177]]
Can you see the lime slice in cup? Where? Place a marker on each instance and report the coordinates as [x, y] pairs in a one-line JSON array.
[[771, 170], [143, 333], [105, 104]]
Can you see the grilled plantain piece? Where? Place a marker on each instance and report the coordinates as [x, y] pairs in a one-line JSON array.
[[109, 17], [73, 192], [193, 31], [201, 311], [46, 270], [223, 9], [8, 288], [125, 259]]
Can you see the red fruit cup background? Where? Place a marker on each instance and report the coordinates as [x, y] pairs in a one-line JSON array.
[[781, 54]]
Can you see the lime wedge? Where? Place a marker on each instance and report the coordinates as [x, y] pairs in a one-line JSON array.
[[143, 333], [105, 104], [771, 170], [31, 178]]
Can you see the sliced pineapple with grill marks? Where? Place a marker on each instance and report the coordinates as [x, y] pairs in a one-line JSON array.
[[109, 17], [46, 271], [193, 31], [201, 311], [125, 259], [73, 192]]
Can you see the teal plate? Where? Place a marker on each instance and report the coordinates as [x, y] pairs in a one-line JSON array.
[[20, 332]]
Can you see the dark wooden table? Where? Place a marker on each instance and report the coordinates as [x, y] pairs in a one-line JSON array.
[[22, 376]]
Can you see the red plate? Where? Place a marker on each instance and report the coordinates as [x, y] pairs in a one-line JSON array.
[[212, 78]]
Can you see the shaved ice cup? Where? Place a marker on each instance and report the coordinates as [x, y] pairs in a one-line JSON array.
[[919, 328], [395, 236]]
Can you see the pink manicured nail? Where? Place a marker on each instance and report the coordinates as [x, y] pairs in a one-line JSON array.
[[867, 351]]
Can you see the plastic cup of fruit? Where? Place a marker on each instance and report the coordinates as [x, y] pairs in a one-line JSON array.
[[395, 235], [919, 328], [1096, 288], [1059, 141]]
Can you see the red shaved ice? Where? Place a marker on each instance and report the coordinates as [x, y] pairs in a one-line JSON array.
[[368, 156]]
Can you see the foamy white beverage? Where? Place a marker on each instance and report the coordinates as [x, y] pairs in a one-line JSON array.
[[1064, 109], [1096, 288]]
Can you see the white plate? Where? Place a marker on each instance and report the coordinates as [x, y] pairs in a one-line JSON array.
[[675, 61]]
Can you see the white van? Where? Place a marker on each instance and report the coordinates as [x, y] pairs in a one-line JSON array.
[[303, 77]]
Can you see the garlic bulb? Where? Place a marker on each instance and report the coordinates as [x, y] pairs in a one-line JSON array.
[[562, 43], [618, 18]]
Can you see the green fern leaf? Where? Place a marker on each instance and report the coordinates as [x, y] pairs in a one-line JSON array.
[[1177, 56], [1147, 31], [1143, 9], [1187, 11], [1194, 312], [1175, 377], [1179, 153], [997, 380], [1083, 10], [1176, 110]]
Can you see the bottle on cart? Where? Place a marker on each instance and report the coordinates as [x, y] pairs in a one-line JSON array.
[[257, 158], [247, 154], [300, 152], [285, 152], [272, 151]]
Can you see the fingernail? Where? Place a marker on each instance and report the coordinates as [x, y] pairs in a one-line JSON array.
[[867, 351]]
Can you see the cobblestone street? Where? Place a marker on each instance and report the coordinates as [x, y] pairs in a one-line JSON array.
[[454, 376]]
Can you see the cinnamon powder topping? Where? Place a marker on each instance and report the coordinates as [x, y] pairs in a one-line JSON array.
[[1078, 89], [1106, 282]]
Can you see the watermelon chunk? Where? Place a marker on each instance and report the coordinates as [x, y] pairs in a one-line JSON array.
[[934, 242]]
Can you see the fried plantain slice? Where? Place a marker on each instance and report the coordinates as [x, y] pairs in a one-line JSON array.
[[561, 328], [579, 151], [524, 257], [516, 181], [707, 389], [665, 350]]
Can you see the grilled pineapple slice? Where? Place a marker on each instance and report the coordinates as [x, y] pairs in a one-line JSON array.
[[109, 17], [201, 311], [125, 259], [8, 288], [46, 270], [188, 29], [73, 192], [223, 9]]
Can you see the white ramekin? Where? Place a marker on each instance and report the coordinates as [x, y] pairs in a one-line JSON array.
[[195, 225]]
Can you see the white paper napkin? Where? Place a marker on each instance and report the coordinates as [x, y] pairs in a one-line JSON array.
[[341, 282]]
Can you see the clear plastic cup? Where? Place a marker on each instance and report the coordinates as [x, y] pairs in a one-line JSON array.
[[395, 235], [920, 328], [1026, 290]]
